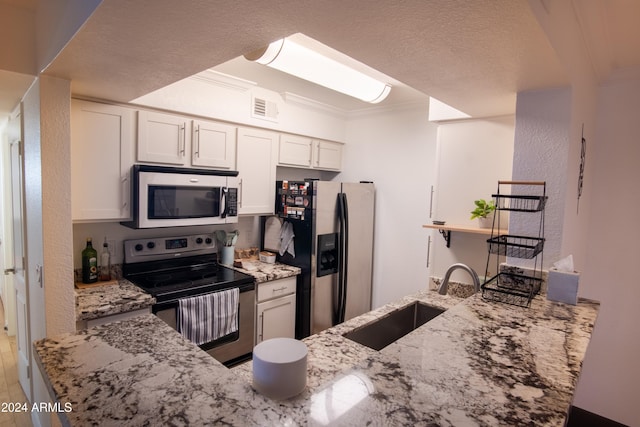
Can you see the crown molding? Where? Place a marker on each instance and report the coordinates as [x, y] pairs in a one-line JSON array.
[[224, 80]]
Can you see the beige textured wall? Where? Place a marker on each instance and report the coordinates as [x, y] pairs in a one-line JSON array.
[[56, 205]]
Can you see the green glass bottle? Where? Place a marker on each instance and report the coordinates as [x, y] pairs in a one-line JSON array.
[[89, 263]]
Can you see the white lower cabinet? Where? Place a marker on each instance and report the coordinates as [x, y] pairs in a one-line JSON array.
[[276, 309]]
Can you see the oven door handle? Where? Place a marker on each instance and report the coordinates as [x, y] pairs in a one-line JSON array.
[[223, 202]]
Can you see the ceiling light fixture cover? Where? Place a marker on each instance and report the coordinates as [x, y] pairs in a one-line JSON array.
[[302, 62]]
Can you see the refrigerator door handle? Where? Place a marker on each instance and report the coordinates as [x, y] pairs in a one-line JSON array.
[[338, 289], [345, 262]]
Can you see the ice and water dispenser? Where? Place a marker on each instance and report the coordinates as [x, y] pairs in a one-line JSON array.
[[327, 260]]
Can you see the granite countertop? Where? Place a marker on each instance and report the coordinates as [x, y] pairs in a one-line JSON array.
[[101, 301], [265, 272], [479, 363]]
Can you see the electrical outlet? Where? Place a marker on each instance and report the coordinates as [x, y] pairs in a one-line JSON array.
[[112, 249]]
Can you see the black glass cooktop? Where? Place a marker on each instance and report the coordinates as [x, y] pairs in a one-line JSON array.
[[178, 278]]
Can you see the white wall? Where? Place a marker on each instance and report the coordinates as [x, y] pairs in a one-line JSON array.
[[33, 241], [610, 382], [56, 227], [543, 120], [602, 233], [472, 156], [396, 150]]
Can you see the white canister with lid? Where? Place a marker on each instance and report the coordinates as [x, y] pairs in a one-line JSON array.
[[280, 368]]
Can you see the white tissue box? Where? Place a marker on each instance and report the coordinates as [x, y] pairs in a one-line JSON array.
[[562, 286]]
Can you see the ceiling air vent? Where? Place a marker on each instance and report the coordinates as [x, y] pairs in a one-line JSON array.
[[263, 109]]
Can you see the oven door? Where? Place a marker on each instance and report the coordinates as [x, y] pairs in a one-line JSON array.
[[168, 199], [233, 348]]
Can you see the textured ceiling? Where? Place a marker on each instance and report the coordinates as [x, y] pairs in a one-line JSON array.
[[474, 55]]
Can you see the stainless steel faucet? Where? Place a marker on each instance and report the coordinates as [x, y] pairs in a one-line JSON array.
[[442, 290]]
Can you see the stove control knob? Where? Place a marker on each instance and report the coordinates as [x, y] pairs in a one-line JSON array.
[[138, 247], [199, 240], [151, 245], [208, 240]]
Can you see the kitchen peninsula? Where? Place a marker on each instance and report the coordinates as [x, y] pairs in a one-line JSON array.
[[478, 363]]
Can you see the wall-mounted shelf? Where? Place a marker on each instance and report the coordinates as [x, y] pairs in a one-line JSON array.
[[446, 230]]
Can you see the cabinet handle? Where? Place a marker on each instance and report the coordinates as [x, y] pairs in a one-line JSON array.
[[318, 155], [428, 250], [125, 192], [279, 289], [197, 141], [261, 327], [240, 193], [431, 203], [39, 275], [183, 142]]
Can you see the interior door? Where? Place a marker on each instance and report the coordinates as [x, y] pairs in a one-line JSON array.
[[21, 290]]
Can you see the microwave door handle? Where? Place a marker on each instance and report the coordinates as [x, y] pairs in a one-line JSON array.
[[223, 202]]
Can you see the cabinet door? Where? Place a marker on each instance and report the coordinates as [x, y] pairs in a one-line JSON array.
[[295, 150], [162, 138], [327, 155], [276, 318], [102, 145], [213, 145], [256, 162]]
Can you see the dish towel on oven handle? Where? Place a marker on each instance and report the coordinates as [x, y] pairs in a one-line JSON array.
[[206, 318]]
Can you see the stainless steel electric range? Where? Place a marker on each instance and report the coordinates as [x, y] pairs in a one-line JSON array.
[[172, 268]]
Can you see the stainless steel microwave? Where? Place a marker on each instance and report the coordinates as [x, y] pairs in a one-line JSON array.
[[178, 197]]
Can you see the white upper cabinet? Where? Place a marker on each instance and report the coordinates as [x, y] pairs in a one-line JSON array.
[[256, 163], [327, 155], [213, 145], [300, 151], [162, 138], [102, 153], [295, 150]]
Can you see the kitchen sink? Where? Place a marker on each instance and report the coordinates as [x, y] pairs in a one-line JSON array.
[[388, 329]]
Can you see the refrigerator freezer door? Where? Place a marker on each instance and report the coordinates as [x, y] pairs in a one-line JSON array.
[[325, 221], [360, 198]]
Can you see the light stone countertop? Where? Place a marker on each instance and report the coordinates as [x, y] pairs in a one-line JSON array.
[[478, 364], [101, 301], [265, 272]]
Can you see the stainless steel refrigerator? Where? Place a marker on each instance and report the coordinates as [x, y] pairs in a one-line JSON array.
[[332, 223]]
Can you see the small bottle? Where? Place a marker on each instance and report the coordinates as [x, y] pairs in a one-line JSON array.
[[105, 262], [89, 263]]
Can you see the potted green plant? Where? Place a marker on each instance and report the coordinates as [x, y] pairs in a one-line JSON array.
[[484, 212]]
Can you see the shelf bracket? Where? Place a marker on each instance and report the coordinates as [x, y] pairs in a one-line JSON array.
[[447, 236]]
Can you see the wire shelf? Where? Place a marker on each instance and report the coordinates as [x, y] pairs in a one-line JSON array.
[[516, 246], [510, 288], [506, 202]]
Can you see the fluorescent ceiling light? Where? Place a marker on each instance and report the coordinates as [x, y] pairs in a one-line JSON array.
[[300, 61]]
